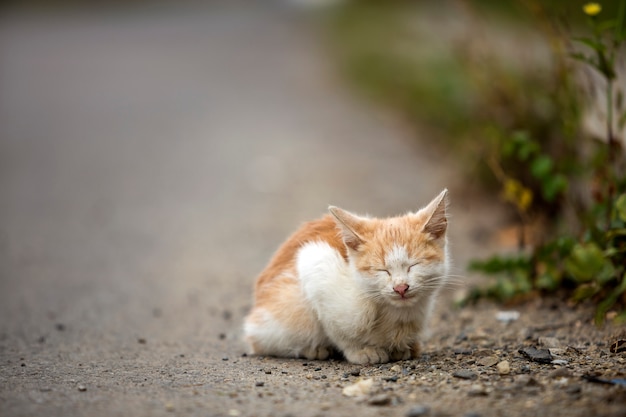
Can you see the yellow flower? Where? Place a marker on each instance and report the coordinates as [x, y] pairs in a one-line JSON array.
[[516, 193], [592, 9]]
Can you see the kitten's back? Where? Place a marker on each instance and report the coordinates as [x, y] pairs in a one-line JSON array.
[[284, 260]]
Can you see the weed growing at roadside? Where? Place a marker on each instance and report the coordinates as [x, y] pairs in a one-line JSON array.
[[522, 126], [591, 264]]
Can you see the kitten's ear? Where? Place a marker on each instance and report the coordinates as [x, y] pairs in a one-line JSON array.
[[436, 210], [349, 225]]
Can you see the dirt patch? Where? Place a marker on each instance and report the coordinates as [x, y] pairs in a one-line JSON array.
[[550, 361]]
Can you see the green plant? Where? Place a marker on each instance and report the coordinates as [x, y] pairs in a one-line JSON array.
[[591, 264], [518, 124]]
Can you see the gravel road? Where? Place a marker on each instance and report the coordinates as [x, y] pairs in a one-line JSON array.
[[150, 163]]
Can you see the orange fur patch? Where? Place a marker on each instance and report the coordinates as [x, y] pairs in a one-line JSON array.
[[277, 288]]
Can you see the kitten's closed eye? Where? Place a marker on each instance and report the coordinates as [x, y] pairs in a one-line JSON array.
[[383, 270], [415, 264]]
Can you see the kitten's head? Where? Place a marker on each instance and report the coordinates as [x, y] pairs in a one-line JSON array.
[[398, 260]]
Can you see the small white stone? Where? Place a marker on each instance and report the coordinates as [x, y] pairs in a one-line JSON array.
[[360, 388], [507, 316]]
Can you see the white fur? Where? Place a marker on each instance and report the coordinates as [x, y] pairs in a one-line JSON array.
[[279, 341], [274, 335], [397, 256], [362, 315]]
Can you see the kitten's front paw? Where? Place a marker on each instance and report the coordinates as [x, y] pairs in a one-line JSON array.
[[400, 355], [367, 355], [316, 353]]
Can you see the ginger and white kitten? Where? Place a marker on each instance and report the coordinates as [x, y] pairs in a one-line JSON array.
[[360, 285]]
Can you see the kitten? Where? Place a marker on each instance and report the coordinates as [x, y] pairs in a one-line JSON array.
[[361, 285]]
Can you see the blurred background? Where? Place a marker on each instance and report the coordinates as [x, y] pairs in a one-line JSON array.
[[154, 154]]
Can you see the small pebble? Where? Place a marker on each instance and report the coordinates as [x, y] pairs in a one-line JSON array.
[[141, 341], [465, 374], [396, 368], [169, 407], [549, 342], [380, 399], [60, 327], [504, 368], [355, 372], [418, 411], [393, 378], [488, 361], [82, 388], [359, 388], [259, 383], [537, 355]]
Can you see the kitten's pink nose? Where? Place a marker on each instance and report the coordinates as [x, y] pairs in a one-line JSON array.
[[401, 289]]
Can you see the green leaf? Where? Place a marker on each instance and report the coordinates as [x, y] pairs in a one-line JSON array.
[[592, 43], [584, 292], [547, 281], [608, 302], [607, 273], [585, 262], [586, 59], [607, 25], [553, 186], [620, 207], [541, 166]]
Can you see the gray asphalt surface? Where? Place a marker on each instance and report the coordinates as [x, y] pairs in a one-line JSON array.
[[150, 162]]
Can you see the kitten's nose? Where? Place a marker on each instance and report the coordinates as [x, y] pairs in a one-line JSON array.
[[401, 289]]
